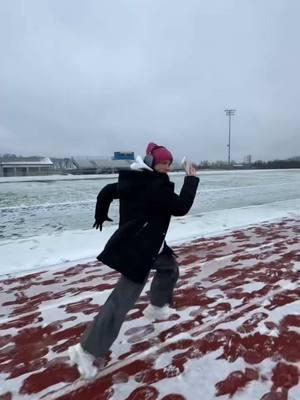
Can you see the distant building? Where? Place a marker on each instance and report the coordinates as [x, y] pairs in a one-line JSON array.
[[121, 160], [63, 164], [100, 166], [123, 155], [27, 166], [33, 166]]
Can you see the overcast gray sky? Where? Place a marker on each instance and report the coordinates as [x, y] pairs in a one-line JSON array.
[[90, 77]]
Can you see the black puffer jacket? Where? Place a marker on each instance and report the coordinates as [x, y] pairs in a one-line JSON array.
[[147, 202]]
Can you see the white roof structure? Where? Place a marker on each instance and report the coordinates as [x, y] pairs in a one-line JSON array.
[[27, 163], [101, 164]]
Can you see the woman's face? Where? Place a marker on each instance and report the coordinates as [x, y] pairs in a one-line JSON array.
[[163, 167]]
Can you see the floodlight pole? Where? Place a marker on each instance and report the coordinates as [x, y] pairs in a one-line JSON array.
[[229, 113]]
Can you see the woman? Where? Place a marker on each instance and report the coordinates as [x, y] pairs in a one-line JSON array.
[[147, 202]]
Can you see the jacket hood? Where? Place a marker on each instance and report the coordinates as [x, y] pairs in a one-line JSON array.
[[139, 165]]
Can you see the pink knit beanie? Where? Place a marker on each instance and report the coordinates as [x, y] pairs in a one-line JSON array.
[[159, 153]]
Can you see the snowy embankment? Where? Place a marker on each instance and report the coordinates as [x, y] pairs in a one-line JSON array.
[[20, 255]]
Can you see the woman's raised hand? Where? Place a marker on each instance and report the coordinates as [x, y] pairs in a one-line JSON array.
[[189, 167]]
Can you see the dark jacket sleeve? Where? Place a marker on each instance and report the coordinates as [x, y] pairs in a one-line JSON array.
[[182, 203], [164, 200], [104, 198]]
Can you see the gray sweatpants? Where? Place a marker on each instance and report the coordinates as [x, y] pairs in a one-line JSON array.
[[103, 331]]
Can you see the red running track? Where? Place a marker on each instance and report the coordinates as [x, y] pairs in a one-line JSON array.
[[234, 333]]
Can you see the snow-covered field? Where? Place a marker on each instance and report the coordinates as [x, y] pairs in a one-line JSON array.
[[47, 206], [47, 221], [235, 329]]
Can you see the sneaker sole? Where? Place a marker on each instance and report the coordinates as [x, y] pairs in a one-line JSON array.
[[151, 317], [74, 361]]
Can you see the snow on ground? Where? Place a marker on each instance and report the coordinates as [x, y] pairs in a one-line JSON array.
[[5, 179], [41, 178], [235, 328], [72, 177], [25, 254], [233, 332]]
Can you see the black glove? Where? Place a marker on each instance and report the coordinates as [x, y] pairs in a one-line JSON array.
[[99, 222]]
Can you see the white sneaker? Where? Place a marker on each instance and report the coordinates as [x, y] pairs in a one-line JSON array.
[[84, 361], [156, 313]]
